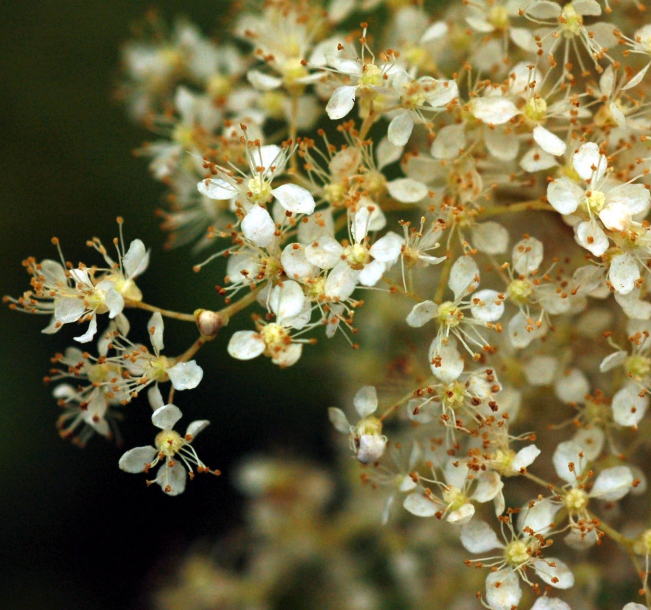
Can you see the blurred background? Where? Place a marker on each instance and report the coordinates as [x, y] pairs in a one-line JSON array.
[[75, 531]]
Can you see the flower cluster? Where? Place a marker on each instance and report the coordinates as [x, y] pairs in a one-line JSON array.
[[477, 177]]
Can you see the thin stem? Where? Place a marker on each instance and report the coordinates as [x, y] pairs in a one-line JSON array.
[[443, 280], [497, 210], [368, 122], [185, 317], [245, 301]]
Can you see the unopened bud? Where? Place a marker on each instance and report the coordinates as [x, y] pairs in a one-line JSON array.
[[209, 322]]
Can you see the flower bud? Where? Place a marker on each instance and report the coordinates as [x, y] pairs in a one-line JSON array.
[[209, 322]]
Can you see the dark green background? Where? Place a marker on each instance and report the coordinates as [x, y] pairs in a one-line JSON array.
[[75, 531]]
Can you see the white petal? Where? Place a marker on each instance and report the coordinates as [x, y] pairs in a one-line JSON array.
[[400, 128], [522, 332], [525, 457], [623, 273], [407, 190], [503, 590], [549, 142], [155, 326], [591, 441], [637, 79], [172, 478], [246, 345], [616, 216], [587, 7], [295, 263], [372, 273], [523, 38], [136, 460], [341, 281], [365, 401], [445, 361], [544, 10], [286, 300], [258, 226], [463, 274], [420, 505], [360, 224], [490, 237], [612, 484], [422, 313], [90, 333], [569, 453], [341, 102], [540, 370], [613, 360], [196, 427], [387, 249], [635, 197], [294, 198], [68, 309], [371, 447], [527, 255], [185, 375], [53, 272], [288, 356], [634, 606], [136, 259], [494, 110], [628, 407], [155, 397], [387, 153], [590, 236], [478, 537], [587, 158], [489, 484], [462, 515], [262, 81], [166, 417], [487, 306], [216, 188], [339, 420], [554, 572], [325, 252], [564, 195], [572, 386], [449, 142], [535, 160], [539, 517], [500, 144]]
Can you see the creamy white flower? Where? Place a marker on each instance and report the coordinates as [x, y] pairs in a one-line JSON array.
[[169, 447], [366, 438]]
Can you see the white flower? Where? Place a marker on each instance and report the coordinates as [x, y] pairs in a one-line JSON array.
[[274, 339], [170, 447], [366, 438]]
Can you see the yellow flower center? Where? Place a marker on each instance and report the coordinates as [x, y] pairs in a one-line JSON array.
[[259, 189], [638, 366], [535, 109], [517, 552], [499, 17], [454, 498], [219, 86], [576, 500], [371, 76], [448, 314], [357, 256], [169, 442], [595, 201], [519, 291], [275, 337], [571, 21]]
